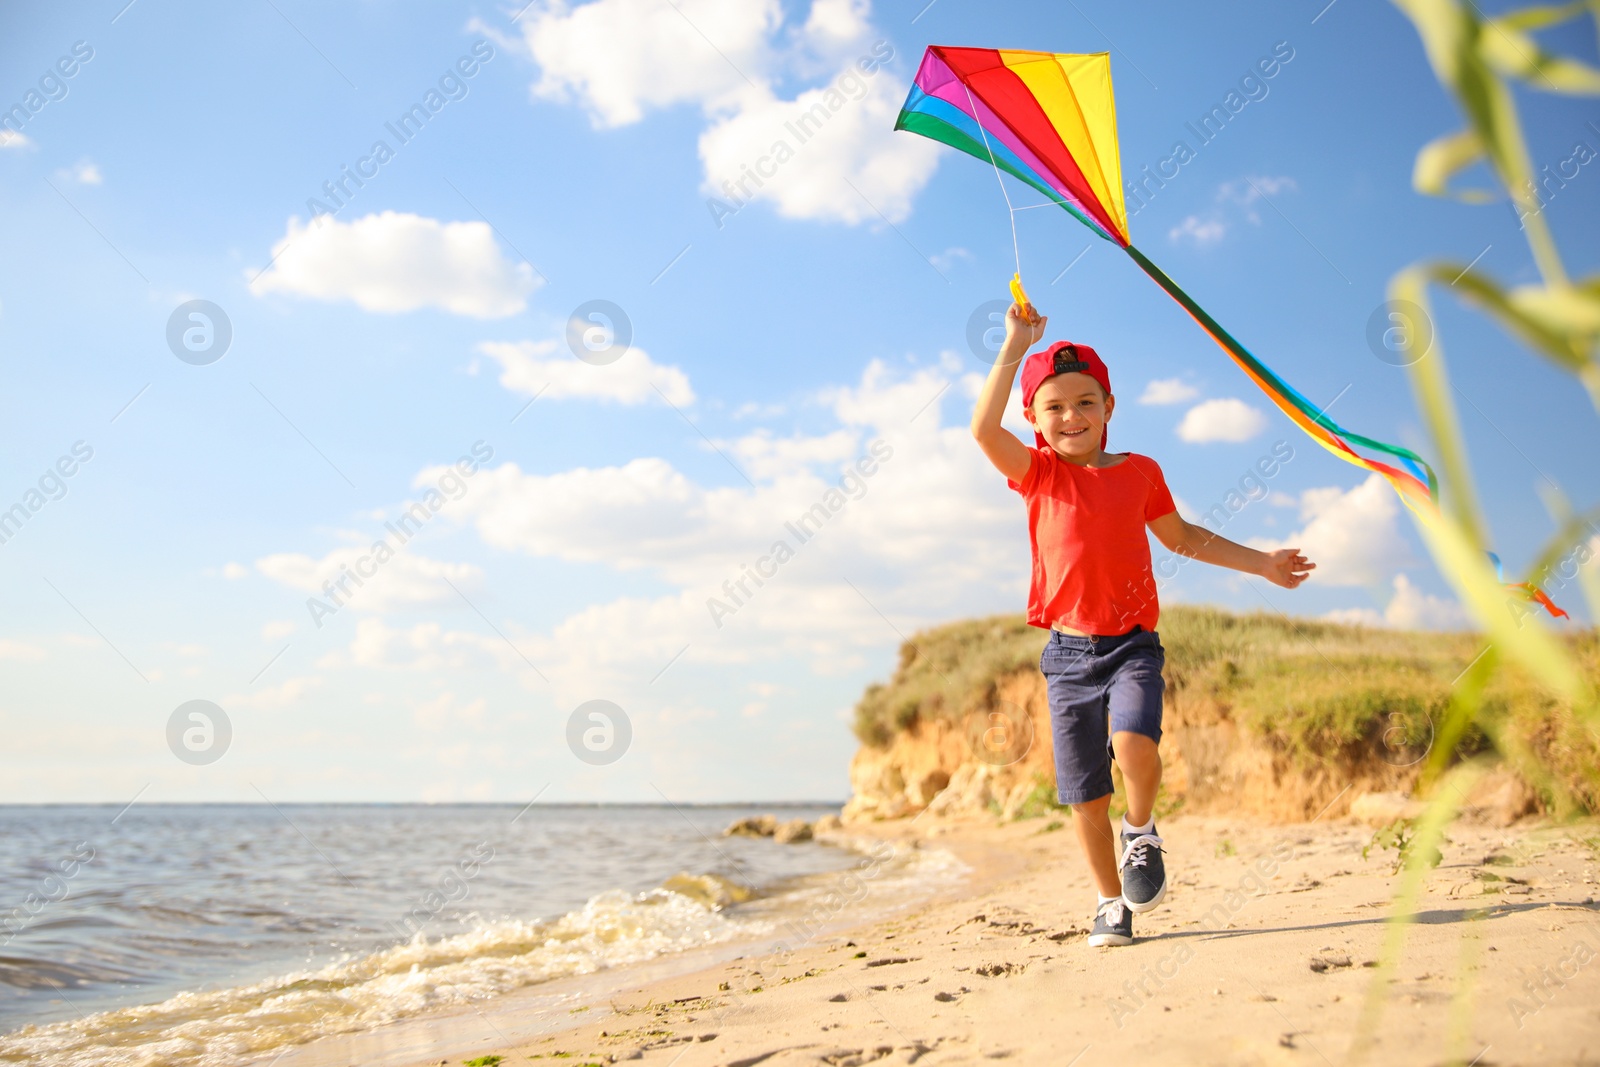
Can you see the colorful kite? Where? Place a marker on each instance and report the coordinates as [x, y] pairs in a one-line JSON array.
[[1050, 120]]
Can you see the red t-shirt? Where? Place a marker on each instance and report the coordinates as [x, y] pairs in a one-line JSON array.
[[1091, 556]]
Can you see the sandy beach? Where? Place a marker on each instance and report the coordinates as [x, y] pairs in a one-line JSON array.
[[1263, 953]]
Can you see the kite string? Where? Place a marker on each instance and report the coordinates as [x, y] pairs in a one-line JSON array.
[[1010, 211]]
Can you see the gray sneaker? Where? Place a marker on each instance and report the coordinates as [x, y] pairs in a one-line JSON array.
[[1144, 875], [1113, 925]]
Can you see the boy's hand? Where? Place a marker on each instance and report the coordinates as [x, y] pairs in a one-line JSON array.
[[1287, 567], [1024, 326]]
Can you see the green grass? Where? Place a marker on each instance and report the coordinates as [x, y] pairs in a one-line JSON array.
[[1326, 695]]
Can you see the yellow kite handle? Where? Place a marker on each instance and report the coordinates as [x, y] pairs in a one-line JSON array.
[[1021, 297], [1017, 292]]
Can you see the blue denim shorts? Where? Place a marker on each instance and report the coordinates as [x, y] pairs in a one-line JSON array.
[[1089, 680]]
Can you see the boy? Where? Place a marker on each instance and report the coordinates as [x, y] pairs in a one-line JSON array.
[[1093, 590]]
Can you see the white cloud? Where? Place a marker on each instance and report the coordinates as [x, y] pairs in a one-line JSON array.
[[804, 155], [1245, 193], [394, 262], [672, 715], [1168, 391], [547, 369], [591, 515], [1234, 199], [445, 711], [20, 650], [930, 534], [750, 409], [1223, 419], [838, 20], [83, 172], [1409, 608], [1202, 231], [763, 456], [12, 139], [619, 58], [234, 571], [425, 646], [405, 579], [647, 514], [288, 692], [277, 630], [764, 690], [1353, 536], [1412, 609], [1356, 617]]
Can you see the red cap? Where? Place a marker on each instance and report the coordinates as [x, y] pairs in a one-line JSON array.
[[1063, 357]]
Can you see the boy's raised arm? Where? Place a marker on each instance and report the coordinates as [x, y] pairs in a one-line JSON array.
[[1009, 455]]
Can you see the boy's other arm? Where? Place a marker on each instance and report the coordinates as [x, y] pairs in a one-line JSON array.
[[1009, 455], [1285, 567]]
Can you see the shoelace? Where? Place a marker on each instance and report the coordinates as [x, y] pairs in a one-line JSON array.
[[1138, 851], [1111, 911]]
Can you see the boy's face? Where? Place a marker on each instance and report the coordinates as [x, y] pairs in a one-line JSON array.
[[1071, 410]]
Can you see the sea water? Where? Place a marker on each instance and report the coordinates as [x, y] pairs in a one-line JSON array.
[[213, 934]]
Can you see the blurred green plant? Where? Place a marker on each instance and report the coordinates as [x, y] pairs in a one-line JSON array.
[[1040, 801], [1476, 58], [1401, 835], [1479, 59]]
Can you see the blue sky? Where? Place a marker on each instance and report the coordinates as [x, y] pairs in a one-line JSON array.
[[770, 348]]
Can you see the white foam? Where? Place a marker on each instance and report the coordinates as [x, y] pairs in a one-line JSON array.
[[202, 1029]]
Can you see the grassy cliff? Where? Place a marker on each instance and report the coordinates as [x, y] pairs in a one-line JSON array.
[[1325, 700]]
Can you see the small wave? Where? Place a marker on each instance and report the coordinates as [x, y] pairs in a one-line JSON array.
[[22, 972], [712, 890], [202, 1029]]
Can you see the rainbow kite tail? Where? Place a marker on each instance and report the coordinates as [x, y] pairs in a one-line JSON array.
[[1527, 589], [1538, 595], [1416, 484]]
